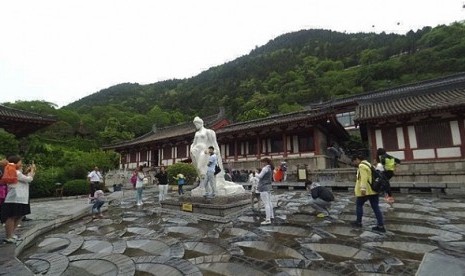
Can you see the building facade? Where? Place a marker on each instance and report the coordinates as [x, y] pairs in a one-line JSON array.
[[300, 138], [421, 123]]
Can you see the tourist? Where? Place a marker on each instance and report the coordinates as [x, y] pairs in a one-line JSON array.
[[99, 200], [283, 167], [162, 177], [363, 193], [181, 180], [16, 202], [389, 166], [94, 178], [227, 175], [334, 155], [139, 184], [264, 187], [253, 180], [321, 198], [3, 186], [210, 182]]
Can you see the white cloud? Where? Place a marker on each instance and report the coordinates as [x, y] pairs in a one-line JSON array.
[[60, 51]]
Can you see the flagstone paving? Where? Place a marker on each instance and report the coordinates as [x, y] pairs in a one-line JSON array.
[[146, 240]]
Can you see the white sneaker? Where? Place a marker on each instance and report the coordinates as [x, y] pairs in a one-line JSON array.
[[266, 222]]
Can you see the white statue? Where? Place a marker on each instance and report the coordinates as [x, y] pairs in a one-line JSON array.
[[203, 139]]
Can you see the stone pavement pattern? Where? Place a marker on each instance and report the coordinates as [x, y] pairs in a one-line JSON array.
[[145, 240]]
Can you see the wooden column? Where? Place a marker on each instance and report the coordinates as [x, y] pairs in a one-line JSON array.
[[316, 141], [235, 148], [259, 147], [408, 150], [284, 144], [461, 124]]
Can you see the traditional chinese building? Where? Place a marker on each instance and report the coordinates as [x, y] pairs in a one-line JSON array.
[[163, 146], [299, 137], [422, 124], [21, 123]]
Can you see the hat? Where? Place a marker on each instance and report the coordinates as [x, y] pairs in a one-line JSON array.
[[314, 185]]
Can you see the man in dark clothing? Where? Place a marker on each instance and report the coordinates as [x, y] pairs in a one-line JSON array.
[[162, 178], [334, 154], [321, 198]]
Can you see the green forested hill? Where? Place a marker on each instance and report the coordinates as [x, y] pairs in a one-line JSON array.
[[289, 72]]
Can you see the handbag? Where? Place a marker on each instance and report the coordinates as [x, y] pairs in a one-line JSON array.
[[217, 169]]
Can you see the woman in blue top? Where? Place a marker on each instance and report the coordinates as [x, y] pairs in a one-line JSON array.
[[264, 187]]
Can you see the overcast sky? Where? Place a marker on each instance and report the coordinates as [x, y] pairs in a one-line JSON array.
[[60, 51]]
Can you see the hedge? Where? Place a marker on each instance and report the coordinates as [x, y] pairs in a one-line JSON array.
[[187, 170], [76, 187]]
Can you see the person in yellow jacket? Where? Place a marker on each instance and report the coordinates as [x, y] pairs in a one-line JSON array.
[[364, 193]]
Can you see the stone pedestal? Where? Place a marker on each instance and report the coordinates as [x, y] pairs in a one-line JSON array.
[[219, 206]]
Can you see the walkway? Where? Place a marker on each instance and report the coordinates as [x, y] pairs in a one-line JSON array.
[[144, 240]]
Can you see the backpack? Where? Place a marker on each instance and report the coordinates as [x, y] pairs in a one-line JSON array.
[[217, 169], [378, 181], [133, 179], [9, 176]]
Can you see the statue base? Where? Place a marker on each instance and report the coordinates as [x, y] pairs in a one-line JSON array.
[[219, 206], [223, 188]]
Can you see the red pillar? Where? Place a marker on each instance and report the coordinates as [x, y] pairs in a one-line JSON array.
[[408, 150], [461, 123], [284, 144]]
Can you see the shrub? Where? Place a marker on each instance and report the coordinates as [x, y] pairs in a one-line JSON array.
[[44, 181], [187, 170], [76, 187]]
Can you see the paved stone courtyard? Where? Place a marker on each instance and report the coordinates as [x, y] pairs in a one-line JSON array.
[[146, 240]]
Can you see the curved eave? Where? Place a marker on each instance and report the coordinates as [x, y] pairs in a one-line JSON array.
[[407, 115]]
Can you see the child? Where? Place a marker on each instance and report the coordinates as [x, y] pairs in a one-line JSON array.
[[388, 196], [99, 200], [181, 181], [253, 180]]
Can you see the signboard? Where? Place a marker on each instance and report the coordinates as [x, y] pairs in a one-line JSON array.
[[187, 207], [302, 174]]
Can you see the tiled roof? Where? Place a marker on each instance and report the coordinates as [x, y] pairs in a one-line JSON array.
[[21, 123], [426, 101], [275, 120], [455, 81], [21, 115], [180, 130]]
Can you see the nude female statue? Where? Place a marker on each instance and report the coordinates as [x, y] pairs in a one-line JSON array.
[[204, 138]]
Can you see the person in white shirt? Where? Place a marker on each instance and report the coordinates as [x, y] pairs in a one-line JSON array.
[[253, 180], [210, 182], [264, 187], [16, 203], [94, 178], [99, 200], [139, 185]]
